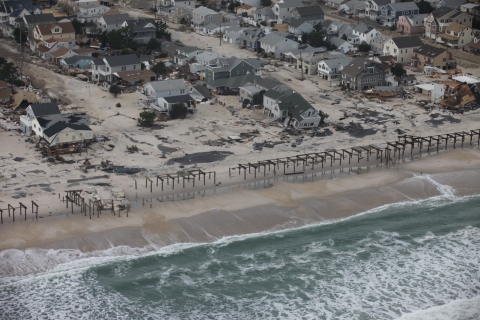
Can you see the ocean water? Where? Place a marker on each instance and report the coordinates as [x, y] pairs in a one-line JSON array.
[[418, 260]]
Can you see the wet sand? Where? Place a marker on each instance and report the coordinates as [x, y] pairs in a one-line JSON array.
[[241, 211]]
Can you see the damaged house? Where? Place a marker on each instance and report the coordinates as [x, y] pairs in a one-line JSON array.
[[162, 95], [53, 127]]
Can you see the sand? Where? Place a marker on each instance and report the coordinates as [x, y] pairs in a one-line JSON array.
[[241, 211]]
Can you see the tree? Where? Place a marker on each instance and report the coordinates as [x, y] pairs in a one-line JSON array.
[[162, 30], [153, 44], [266, 3], [317, 38], [344, 37], [115, 90], [178, 111], [364, 47], [77, 26], [398, 70], [20, 34], [424, 6], [2, 61], [66, 7], [159, 68], [10, 72], [204, 3], [146, 119], [232, 5]]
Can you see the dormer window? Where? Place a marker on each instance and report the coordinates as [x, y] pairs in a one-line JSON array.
[[57, 30]]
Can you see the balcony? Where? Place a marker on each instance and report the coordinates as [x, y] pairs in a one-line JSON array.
[[142, 95]]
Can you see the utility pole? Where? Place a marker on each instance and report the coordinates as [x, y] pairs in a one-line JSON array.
[[220, 34]]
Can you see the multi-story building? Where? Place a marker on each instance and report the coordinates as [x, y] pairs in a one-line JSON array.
[[440, 19], [456, 36], [411, 24], [103, 69], [224, 68], [401, 48], [431, 56], [373, 8], [391, 12], [330, 69], [363, 73]]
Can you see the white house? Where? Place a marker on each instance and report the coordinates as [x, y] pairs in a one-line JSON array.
[[91, 12], [299, 27], [330, 69], [276, 44], [283, 9], [103, 70], [363, 33], [342, 45], [152, 93]]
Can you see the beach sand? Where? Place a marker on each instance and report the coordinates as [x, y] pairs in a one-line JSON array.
[[240, 211]]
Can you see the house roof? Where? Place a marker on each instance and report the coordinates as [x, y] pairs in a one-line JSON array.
[[296, 23], [84, 50], [123, 60], [335, 63], [179, 99], [110, 12], [60, 52], [39, 18], [135, 74], [203, 11], [381, 2], [337, 41], [189, 49], [404, 6], [46, 29], [358, 65], [454, 3], [5, 93], [43, 49], [430, 51], [408, 42], [44, 109], [204, 91], [440, 12], [3, 84], [456, 27], [309, 11], [168, 85], [115, 18], [362, 28], [267, 11], [60, 126], [290, 4], [75, 59], [272, 39]]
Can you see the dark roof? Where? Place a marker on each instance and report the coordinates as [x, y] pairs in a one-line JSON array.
[[408, 42], [60, 126], [309, 11], [115, 18], [296, 23], [178, 99], [123, 60], [358, 65], [381, 3], [440, 12], [429, 51], [45, 109], [204, 91], [39, 18]]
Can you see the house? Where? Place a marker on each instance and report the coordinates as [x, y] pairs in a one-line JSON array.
[[232, 67], [202, 16], [373, 8], [36, 110], [411, 24], [275, 44], [362, 33], [58, 30], [312, 14], [233, 35], [378, 43], [183, 3], [170, 48], [283, 9], [474, 46], [409, 80], [58, 129], [77, 61], [330, 69], [454, 4], [251, 39], [246, 9], [217, 27], [292, 108], [307, 62], [335, 3], [470, 8], [143, 29], [162, 95], [363, 73], [299, 27], [108, 22], [90, 13], [401, 48], [428, 55], [353, 7], [264, 14], [57, 55], [391, 12], [200, 93], [248, 92], [133, 77], [31, 21], [184, 54], [456, 35], [437, 22], [342, 45], [84, 51], [103, 70]]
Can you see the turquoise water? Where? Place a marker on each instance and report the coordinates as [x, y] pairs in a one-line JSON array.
[[419, 261]]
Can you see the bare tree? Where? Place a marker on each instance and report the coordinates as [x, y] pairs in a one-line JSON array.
[[66, 7]]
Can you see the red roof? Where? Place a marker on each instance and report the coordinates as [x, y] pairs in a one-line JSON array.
[[44, 49]]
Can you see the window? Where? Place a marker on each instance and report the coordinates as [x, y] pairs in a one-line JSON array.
[[108, 68], [243, 71], [124, 68], [134, 67]]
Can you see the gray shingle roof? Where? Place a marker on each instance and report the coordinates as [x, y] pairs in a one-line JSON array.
[[309, 11], [44, 109], [429, 51], [116, 18], [408, 42], [290, 4], [358, 65], [179, 99], [404, 6], [440, 12], [168, 85], [123, 60], [39, 18], [60, 126]]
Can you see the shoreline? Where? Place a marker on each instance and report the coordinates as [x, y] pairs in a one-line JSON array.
[[240, 211]]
